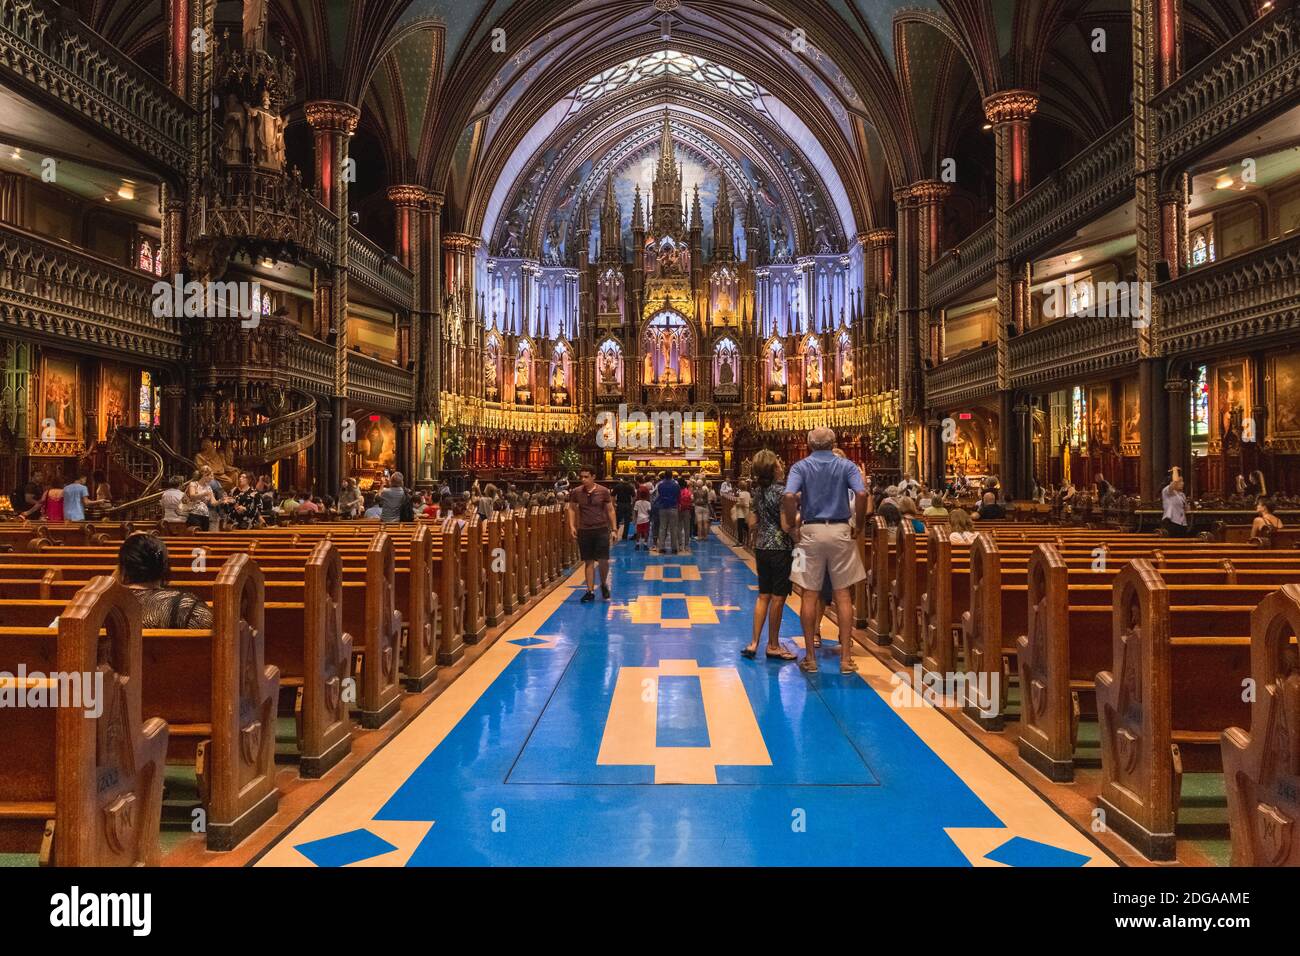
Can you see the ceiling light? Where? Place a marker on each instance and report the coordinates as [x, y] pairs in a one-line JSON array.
[[1075, 258], [1223, 182], [126, 190], [16, 154], [987, 127]]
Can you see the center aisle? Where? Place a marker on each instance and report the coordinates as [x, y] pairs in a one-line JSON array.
[[632, 732]]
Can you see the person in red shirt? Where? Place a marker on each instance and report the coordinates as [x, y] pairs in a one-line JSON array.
[[685, 518], [593, 523]]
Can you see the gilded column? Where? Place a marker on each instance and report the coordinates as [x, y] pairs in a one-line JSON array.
[[407, 237], [1009, 112], [1160, 220], [333, 124]]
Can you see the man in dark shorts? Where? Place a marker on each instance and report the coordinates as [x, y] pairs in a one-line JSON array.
[[593, 523], [623, 493]]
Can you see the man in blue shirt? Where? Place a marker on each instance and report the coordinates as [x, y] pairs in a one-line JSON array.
[[75, 498], [817, 504], [667, 495]]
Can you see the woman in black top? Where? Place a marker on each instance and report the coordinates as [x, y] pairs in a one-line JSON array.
[[773, 548], [143, 567], [247, 509]]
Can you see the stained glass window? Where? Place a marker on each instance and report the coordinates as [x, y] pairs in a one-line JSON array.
[[1079, 418], [146, 415], [1203, 246], [667, 63], [147, 262], [1201, 402]]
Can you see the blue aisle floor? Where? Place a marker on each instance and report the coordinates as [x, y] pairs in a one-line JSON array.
[[632, 732]]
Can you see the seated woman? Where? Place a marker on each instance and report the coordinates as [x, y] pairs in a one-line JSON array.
[[1265, 520], [908, 509], [143, 567], [963, 529]]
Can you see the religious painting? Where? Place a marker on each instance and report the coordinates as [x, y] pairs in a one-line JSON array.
[[377, 443], [116, 390], [1131, 423], [60, 399], [1099, 414], [1284, 394], [1230, 396]]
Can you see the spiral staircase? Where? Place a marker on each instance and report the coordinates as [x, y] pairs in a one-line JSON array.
[[141, 459]]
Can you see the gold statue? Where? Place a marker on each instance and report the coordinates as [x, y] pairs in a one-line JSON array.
[[210, 456]]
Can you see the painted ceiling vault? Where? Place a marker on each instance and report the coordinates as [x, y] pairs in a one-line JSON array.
[[517, 112]]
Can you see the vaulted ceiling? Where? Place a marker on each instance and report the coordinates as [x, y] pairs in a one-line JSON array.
[[862, 96]]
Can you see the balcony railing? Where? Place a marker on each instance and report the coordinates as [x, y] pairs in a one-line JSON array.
[[1097, 180], [45, 48], [964, 266], [969, 376], [377, 271], [311, 365], [1244, 298], [1072, 348], [1253, 75], [53, 289], [376, 382]]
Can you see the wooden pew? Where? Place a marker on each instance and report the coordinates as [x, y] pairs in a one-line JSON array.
[[219, 698], [1261, 767], [880, 574], [83, 791], [303, 638], [1174, 686], [451, 638], [1068, 639], [473, 580], [905, 593], [380, 691]]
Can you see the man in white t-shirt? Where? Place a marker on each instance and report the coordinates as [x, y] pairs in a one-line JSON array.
[[171, 500]]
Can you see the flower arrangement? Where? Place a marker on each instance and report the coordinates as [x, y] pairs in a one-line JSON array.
[[569, 459], [453, 444]]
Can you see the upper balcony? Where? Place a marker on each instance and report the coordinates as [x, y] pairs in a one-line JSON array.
[[964, 266], [1072, 348], [1248, 297], [48, 53], [964, 378], [1251, 77], [63, 293], [378, 272], [374, 382]]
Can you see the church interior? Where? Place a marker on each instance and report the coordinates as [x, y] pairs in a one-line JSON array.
[[355, 319]]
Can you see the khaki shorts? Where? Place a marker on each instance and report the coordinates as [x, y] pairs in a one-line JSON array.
[[827, 549]]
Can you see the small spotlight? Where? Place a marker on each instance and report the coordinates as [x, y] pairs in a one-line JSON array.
[[1223, 182], [126, 190]]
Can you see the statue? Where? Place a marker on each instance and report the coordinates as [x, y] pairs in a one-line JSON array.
[[846, 367], [490, 375], [608, 372], [557, 376], [778, 370], [232, 141], [210, 456], [521, 372], [726, 374], [426, 462], [814, 376], [254, 24]]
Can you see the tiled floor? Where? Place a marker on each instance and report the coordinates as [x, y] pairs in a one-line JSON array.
[[632, 732]]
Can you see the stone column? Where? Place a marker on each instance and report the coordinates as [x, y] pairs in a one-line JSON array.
[[1160, 218], [334, 123], [1178, 390], [1009, 112], [406, 202]]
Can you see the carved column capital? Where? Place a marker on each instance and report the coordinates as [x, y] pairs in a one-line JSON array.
[[1176, 385], [407, 196], [881, 237], [929, 192], [435, 199], [1010, 106], [332, 116]]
